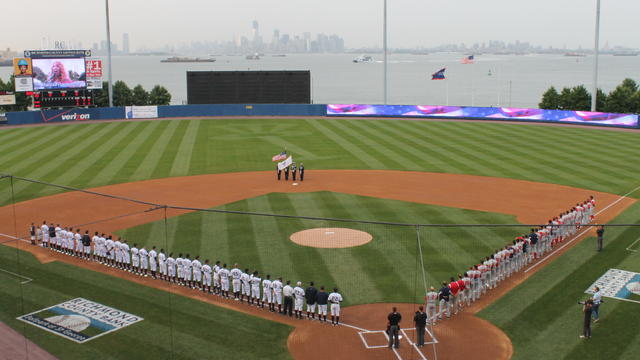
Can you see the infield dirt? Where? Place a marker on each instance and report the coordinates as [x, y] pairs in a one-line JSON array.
[[529, 202]]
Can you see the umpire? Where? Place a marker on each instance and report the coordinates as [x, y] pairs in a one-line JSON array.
[[394, 327]]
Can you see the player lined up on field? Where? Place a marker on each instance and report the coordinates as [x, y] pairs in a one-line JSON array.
[[468, 287], [195, 274]]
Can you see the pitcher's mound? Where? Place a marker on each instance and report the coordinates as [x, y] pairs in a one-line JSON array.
[[329, 238]]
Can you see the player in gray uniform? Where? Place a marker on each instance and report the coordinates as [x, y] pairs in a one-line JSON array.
[[431, 299]]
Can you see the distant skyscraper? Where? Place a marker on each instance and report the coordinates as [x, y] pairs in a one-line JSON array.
[[125, 43], [256, 29]]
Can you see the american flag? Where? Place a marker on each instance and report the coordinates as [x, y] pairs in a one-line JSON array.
[[280, 157], [468, 59], [438, 75]]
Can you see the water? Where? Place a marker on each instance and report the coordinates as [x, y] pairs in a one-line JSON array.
[[515, 80]]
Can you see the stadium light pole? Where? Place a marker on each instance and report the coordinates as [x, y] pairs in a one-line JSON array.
[[384, 46], [594, 94], [110, 86]]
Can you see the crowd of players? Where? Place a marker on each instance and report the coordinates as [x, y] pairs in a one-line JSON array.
[[195, 274], [468, 287], [250, 287]]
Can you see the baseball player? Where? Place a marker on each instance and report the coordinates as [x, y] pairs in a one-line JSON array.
[[108, 244], [58, 238], [144, 261], [196, 265], [444, 295], [32, 232], [466, 291], [206, 276], [430, 301], [94, 239], [126, 256], [135, 258], [298, 293], [180, 266], [162, 264], [52, 237], [335, 299], [62, 239], [224, 281], [117, 248], [44, 229], [236, 274], [311, 294], [78, 238], [86, 244], [153, 261], [255, 288], [276, 286], [171, 268], [216, 278], [267, 295], [322, 298], [245, 279], [454, 300], [187, 271]]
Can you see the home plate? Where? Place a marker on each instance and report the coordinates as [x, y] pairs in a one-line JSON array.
[[295, 184], [329, 232]]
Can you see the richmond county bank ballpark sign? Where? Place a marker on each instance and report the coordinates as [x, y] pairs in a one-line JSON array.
[[80, 319]]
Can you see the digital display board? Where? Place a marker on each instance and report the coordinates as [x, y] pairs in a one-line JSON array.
[[59, 73], [486, 113]]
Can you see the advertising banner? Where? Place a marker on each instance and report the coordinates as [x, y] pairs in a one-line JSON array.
[[7, 99], [22, 67], [58, 74], [24, 84], [56, 54], [487, 113], [141, 112], [94, 73]]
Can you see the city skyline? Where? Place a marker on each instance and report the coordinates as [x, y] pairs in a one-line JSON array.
[[412, 23]]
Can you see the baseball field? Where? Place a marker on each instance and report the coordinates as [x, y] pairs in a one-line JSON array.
[[436, 197]]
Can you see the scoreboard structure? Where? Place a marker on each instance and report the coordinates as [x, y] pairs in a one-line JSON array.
[[249, 87]]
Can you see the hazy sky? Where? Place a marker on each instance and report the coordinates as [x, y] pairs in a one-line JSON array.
[[153, 23]]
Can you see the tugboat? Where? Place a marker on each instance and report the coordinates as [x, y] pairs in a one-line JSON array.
[[363, 59], [255, 56], [176, 59]]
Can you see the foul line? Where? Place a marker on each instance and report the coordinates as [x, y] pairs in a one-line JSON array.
[[633, 243], [26, 281], [582, 233]]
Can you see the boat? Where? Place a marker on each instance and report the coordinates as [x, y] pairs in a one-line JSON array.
[[177, 59], [575, 54], [255, 56], [362, 59], [626, 53], [279, 55]]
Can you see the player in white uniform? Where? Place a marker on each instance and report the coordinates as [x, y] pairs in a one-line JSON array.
[[162, 264], [180, 268], [255, 288], [144, 261], [94, 253], [117, 249], [216, 278], [335, 299], [196, 265], [206, 276], [45, 234], [126, 258], [245, 279], [431, 299], [276, 287], [135, 258], [58, 238], [236, 274], [110, 251], [153, 261], [267, 294], [78, 239], [171, 268], [224, 281], [188, 274], [62, 239], [298, 293]]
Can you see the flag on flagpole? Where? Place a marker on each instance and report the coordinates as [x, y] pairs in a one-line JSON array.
[[439, 75], [284, 164], [468, 59], [280, 157]]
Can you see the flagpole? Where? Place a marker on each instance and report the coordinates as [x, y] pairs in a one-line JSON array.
[[384, 45], [594, 94]]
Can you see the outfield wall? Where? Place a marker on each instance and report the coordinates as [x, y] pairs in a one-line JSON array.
[[331, 110]]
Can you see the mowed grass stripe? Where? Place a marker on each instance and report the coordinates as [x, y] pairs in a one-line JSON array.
[[104, 155], [32, 147], [241, 242], [357, 152], [213, 230], [376, 148], [182, 162], [148, 164], [199, 163], [25, 141], [165, 161], [127, 151], [141, 153], [263, 228]]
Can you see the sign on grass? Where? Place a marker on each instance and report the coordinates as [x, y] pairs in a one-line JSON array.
[[80, 319], [618, 284]]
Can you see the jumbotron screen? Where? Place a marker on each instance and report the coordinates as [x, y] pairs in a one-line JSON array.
[[56, 74]]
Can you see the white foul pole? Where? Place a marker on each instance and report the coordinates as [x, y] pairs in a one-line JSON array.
[[110, 87], [594, 94], [384, 46]]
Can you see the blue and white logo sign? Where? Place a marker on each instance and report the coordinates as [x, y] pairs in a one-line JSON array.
[[618, 284], [80, 319]]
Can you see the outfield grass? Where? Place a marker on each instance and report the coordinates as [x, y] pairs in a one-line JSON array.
[[384, 270], [543, 319], [87, 155], [173, 327]]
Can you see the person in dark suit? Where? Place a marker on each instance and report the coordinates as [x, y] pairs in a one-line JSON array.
[[394, 327], [278, 171], [301, 172], [286, 173], [420, 319], [293, 171]]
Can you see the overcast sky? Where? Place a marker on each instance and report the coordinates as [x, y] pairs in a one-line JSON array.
[[153, 23]]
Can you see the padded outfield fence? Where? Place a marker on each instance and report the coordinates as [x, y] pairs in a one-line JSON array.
[[369, 261]]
